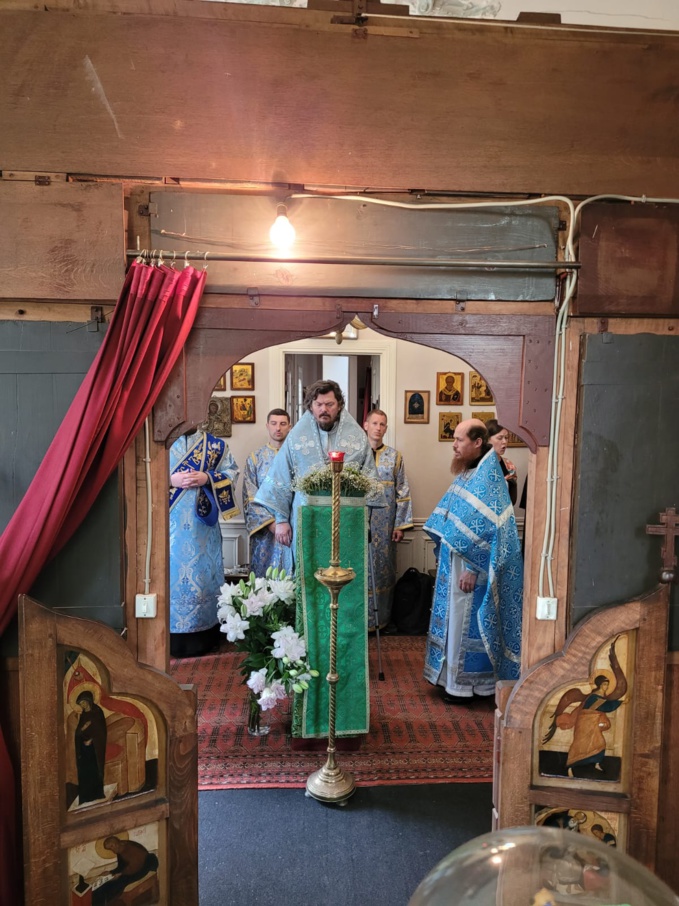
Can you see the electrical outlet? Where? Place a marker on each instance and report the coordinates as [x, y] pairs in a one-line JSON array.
[[546, 608], [145, 606]]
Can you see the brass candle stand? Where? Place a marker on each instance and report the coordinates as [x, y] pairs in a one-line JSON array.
[[331, 783]]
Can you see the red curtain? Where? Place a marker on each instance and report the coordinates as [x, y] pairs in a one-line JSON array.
[[149, 326]]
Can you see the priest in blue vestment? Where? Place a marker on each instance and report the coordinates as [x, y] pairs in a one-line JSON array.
[[203, 476], [265, 551], [326, 425], [388, 524], [475, 629]]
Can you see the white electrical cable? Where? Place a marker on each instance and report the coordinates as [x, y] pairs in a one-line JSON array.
[[149, 508], [433, 206], [559, 351], [559, 371], [549, 540]]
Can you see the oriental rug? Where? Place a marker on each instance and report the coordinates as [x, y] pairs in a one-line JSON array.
[[415, 737]]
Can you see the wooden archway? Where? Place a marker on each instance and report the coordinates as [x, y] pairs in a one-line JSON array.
[[513, 351]]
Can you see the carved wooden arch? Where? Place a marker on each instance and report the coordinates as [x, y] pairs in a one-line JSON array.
[[514, 352]]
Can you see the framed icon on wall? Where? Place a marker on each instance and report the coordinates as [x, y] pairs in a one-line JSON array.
[[416, 407], [479, 391], [242, 410], [449, 388], [448, 422], [243, 376]]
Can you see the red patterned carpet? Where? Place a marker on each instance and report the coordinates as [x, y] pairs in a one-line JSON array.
[[414, 736]]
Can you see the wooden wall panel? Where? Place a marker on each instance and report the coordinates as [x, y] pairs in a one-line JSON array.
[[169, 798], [640, 793], [667, 865], [63, 241], [630, 260], [207, 92]]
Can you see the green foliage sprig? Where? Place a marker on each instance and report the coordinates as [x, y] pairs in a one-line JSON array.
[[353, 482]]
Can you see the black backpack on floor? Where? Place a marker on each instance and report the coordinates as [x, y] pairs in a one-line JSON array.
[[413, 594]]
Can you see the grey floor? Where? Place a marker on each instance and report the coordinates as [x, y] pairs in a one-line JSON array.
[[274, 847]]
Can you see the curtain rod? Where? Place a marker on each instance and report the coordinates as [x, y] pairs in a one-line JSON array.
[[454, 264]]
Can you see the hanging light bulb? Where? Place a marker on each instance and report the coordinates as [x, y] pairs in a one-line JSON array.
[[282, 232]]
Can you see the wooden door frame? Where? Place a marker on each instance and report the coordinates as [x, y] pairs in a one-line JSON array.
[[371, 348], [511, 344]]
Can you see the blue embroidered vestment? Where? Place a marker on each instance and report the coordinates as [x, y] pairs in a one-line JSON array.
[[474, 521], [265, 551], [196, 565]]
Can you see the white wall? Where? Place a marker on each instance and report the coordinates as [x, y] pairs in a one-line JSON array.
[[414, 367], [653, 14], [428, 459]]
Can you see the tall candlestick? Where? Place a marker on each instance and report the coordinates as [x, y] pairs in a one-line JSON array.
[[330, 783]]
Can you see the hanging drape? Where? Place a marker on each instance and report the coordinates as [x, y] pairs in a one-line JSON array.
[[148, 329]]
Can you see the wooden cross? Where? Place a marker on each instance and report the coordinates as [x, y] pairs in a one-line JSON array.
[[670, 529]]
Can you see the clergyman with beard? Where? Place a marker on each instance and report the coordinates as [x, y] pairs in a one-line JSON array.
[[305, 524], [475, 628], [326, 425]]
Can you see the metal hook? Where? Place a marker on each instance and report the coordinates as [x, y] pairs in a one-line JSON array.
[[174, 258], [186, 259], [205, 259]]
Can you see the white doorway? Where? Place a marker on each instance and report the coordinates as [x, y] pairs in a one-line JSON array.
[[380, 352]]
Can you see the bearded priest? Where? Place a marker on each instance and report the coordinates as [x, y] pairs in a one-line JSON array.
[[304, 523], [475, 628]]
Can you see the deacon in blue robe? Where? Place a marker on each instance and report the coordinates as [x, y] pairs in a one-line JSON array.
[[475, 628], [387, 524], [265, 551], [203, 477]]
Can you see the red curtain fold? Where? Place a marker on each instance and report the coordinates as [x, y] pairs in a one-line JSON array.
[[149, 326]]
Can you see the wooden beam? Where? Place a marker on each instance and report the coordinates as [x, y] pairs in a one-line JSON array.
[[62, 241], [288, 97]]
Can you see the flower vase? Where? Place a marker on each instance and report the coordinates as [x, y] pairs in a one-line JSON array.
[[257, 725]]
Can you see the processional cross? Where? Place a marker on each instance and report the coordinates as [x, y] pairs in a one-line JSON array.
[[670, 529]]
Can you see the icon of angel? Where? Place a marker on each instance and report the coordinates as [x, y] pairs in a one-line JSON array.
[[586, 714]]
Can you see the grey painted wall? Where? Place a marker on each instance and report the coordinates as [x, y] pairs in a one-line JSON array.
[[41, 367], [628, 468]]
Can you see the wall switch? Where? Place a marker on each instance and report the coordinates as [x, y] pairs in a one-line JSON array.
[[546, 608], [145, 606]]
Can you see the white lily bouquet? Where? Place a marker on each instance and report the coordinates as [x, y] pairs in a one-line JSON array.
[[258, 617]]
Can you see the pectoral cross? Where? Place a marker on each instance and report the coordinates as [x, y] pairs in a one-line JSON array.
[[670, 529]]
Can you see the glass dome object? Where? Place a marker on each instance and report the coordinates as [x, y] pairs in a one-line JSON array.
[[540, 866]]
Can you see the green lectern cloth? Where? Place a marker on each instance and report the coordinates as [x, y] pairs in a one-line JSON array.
[[314, 539]]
